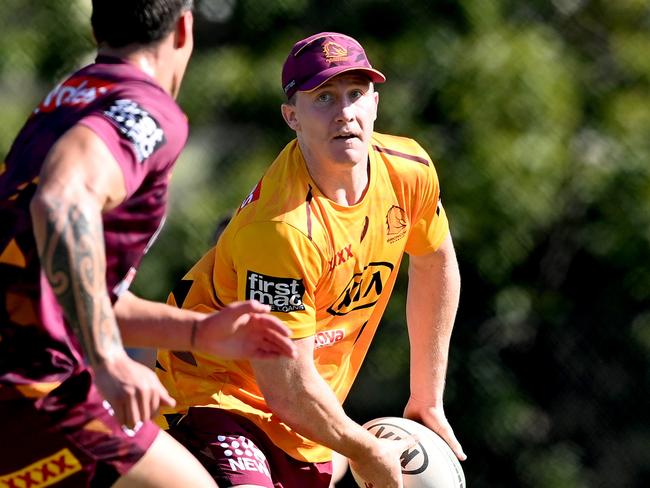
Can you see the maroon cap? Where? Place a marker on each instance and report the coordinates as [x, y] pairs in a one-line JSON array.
[[318, 58]]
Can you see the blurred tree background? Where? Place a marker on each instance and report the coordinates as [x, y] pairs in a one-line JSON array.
[[537, 115]]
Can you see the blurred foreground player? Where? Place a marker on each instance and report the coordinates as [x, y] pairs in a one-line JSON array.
[[320, 239], [82, 197]]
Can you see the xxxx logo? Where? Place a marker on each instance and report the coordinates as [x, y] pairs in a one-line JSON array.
[[44, 472], [363, 290], [341, 256]]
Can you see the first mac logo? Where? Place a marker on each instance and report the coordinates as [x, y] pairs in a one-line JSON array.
[[281, 294]]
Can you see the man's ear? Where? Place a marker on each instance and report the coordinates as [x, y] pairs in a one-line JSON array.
[[183, 33], [376, 105], [289, 115]]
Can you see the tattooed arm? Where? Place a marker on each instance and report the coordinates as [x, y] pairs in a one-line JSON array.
[[80, 179]]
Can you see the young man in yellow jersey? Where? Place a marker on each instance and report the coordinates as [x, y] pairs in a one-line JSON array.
[[320, 240]]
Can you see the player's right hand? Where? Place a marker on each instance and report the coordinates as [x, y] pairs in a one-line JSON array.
[[132, 390], [244, 330], [381, 466]]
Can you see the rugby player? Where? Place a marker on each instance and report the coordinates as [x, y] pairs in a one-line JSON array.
[[320, 239]]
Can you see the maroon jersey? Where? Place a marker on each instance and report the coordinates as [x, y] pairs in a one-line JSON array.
[[145, 130]]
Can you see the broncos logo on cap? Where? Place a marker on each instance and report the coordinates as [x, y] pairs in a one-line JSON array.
[[334, 52]]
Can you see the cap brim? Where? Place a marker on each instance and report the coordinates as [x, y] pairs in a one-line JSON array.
[[328, 74]]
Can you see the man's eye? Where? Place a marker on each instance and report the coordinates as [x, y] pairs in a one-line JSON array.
[[324, 97]]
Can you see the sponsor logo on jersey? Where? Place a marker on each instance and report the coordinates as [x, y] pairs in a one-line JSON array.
[[328, 337], [396, 224], [341, 256], [138, 126], [243, 455], [281, 294], [44, 472], [334, 52], [363, 290], [252, 196], [75, 91]]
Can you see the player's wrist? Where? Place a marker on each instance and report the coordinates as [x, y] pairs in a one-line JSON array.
[[109, 360], [105, 354], [194, 329], [361, 447], [430, 399]]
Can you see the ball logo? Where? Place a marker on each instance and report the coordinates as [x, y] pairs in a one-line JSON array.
[[414, 460], [363, 290], [428, 463], [281, 294]]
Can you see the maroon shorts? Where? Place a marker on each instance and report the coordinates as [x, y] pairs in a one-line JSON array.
[[237, 452], [67, 438]]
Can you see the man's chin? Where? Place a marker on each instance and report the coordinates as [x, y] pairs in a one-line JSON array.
[[351, 156]]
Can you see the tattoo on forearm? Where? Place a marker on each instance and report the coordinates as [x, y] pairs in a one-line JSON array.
[[74, 262]]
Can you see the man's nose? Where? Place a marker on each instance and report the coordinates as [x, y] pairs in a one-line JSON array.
[[345, 110]]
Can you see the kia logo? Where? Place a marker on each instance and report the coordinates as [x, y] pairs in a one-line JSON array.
[[363, 290]]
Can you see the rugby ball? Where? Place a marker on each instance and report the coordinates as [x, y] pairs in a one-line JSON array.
[[429, 464]]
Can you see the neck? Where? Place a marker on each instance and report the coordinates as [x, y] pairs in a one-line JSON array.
[[343, 184], [150, 61]]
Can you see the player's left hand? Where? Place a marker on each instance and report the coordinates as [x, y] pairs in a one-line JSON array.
[[433, 416], [244, 330]]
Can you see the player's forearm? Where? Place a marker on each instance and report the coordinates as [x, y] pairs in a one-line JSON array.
[[144, 323], [306, 403], [432, 302], [70, 241]]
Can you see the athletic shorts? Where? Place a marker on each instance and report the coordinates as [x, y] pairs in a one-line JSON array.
[[66, 439], [237, 452]]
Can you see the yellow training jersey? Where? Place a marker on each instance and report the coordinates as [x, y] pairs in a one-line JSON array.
[[325, 269]]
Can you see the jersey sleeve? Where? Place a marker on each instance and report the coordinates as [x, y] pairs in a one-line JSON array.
[[196, 290], [279, 266], [430, 226], [138, 135]]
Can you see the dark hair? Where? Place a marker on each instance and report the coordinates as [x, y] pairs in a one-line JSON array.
[[119, 23]]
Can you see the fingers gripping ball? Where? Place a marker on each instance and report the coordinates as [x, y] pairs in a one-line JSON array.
[[429, 464]]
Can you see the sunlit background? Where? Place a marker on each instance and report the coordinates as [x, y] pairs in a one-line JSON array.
[[537, 114]]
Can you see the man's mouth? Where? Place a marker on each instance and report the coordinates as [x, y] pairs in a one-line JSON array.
[[344, 137]]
